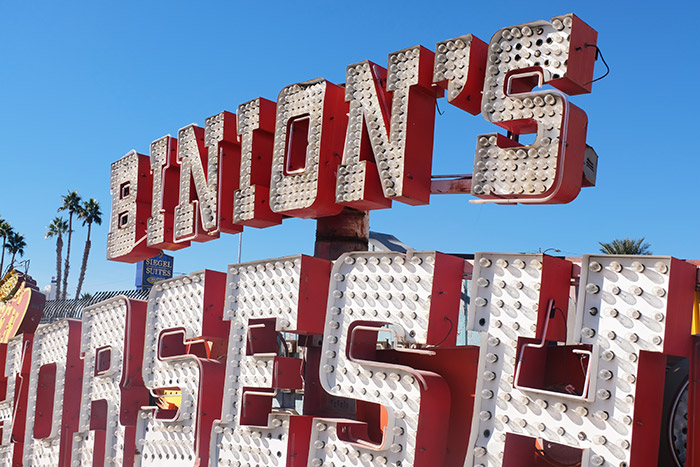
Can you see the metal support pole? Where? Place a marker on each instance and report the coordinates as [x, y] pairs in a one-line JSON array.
[[335, 235], [240, 246], [347, 231]]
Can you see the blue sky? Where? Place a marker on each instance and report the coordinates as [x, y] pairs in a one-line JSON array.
[[82, 83]]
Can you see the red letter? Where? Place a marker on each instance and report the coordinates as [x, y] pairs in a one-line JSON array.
[[311, 118], [389, 140], [131, 185], [256, 127]]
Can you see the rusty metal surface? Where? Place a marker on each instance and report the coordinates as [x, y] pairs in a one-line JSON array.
[[347, 231], [450, 186]]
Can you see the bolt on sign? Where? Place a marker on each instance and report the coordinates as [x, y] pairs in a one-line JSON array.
[[367, 142], [300, 361]]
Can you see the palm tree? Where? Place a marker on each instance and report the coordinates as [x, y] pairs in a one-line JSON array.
[[5, 231], [56, 229], [71, 203], [15, 245], [626, 246], [89, 212]]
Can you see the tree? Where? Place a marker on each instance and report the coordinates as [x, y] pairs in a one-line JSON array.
[[15, 245], [56, 229], [626, 246], [89, 212], [5, 231], [71, 203]]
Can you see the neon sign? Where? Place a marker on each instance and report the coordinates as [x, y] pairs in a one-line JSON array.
[[580, 381], [21, 309], [301, 361], [366, 143]]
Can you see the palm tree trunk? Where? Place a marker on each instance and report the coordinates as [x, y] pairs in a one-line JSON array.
[[2, 259], [59, 248], [67, 263], [83, 267]]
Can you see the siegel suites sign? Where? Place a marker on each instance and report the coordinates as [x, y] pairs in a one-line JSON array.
[[81, 392]]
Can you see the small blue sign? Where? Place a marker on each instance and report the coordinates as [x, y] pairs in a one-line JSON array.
[[154, 269]]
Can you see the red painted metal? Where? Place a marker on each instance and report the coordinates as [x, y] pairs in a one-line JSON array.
[[212, 370], [582, 56], [419, 145], [290, 373], [373, 195], [555, 285], [229, 150], [459, 184], [261, 136], [433, 435], [140, 187], [47, 381], [163, 202], [18, 403], [647, 404], [128, 350], [449, 372], [445, 297], [208, 352], [46, 387], [228, 157], [571, 149], [333, 123], [200, 235], [432, 431], [469, 99], [298, 445], [134, 394], [71, 397], [553, 366], [681, 297], [457, 366], [21, 400], [416, 161]]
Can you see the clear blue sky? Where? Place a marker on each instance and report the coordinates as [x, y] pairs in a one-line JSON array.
[[82, 83]]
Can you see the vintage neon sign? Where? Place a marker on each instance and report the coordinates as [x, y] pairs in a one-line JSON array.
[[21, 311], [366, 143], [15, 360], [262, 299], [184, 317], [571, 365], [113, 390], [421, 305], [581, 381], [599, 393]]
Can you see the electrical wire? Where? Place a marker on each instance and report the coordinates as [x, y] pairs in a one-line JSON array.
[[452, 325], [598, 53], [437, 107]]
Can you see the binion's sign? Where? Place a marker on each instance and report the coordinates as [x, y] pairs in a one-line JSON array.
[[366, 143]]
